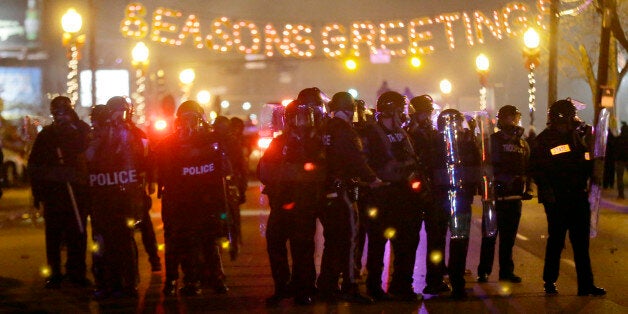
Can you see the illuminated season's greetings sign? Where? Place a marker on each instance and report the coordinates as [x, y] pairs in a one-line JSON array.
[[399, 38]]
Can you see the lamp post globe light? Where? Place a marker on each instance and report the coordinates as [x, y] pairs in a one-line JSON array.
[[482, 66], [445, 89], [139, 56], [72, 22], [531, 53], [186, 78], [203, 97]]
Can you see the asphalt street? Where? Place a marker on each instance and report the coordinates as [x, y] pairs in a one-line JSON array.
[[22, 257]]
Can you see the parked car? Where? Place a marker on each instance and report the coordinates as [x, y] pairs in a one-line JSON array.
[[13, 168]]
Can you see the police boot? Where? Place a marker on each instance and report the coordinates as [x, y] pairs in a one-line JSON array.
[[591, 290], [191, 289]]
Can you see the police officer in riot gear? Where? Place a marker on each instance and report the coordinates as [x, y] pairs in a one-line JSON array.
[[364, 118], [190, 173], [453, 189], [293, 174], [509, 156], [561, 166], [58, 173], [117, 170], [397, 217], [345, 167], [237, 182], [423, 135]]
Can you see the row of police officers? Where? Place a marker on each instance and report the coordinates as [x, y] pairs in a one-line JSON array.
[[385, 175], [107, 172], [381, 176]]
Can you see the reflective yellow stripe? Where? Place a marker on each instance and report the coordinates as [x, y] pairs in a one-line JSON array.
[[560, 149], [587, 156]]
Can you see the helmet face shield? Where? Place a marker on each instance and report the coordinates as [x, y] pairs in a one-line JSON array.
[[190, 123], [303, 117], [392, 105], [61, 115]]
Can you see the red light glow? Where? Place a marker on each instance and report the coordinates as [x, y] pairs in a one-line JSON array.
[[264, 142], [161, 124], [416, 185]]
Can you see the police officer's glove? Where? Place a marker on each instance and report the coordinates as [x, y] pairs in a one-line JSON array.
[[377, 183]]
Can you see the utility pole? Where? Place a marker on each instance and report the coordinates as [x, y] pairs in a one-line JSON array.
[[553, 53], [605, 40]]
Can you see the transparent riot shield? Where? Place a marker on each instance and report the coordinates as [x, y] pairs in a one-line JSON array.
[[484, 129], [599, 154], [452, 134]]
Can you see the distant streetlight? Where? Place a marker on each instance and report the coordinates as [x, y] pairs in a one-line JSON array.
[[445, 88], [186, 78], [353, 92], [415, 62], [351, 64], [531, 52], [203, 97], [482, 66], [246, 106], [72, 22], [139, 56]]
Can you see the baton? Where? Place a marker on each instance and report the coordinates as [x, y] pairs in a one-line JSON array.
[[72, 198]]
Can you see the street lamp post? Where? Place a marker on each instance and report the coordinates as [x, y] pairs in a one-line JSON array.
[[531, 53], [481, 66], [140, 63], [72, 40]]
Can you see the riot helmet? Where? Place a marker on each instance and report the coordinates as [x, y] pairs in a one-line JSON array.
[[99, 116], [423, 103], [508, 117], [423, 107], [342, 101], [342, 105], [221, 125], [450, 117], [62, 111], [391, 103], [561, 112], [301, 117], [120, 109], [190, 118], [313, 97]]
